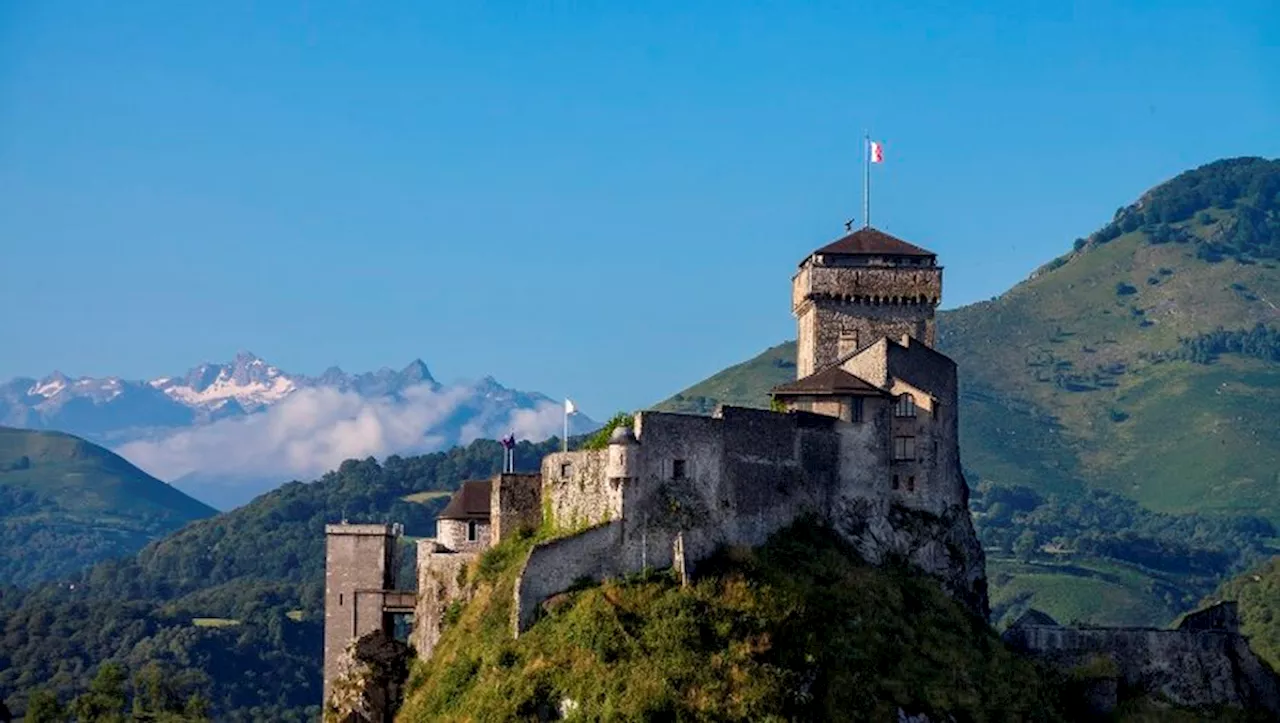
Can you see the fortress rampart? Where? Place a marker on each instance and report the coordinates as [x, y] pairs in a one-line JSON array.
[[1205, 662]]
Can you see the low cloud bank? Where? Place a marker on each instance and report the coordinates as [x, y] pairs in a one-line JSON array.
[[315, 429]]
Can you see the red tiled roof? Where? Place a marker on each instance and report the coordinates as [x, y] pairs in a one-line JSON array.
[[470, 502], [872, 242], [832, 380]]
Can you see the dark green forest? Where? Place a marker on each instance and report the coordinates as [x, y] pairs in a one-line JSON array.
[[231, 605], [1250, 187]]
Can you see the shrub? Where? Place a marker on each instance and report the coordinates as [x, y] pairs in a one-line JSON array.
[[1124, 289]]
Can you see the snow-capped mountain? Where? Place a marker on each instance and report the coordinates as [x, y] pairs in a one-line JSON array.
[[113, 410], [226, 432]]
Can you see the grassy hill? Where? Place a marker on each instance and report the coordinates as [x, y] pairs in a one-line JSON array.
[[66, 503], [1100, 369], [796, 630]]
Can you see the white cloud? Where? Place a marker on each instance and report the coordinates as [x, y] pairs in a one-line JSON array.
[[313, 430]]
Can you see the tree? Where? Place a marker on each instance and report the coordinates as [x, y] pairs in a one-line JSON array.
[[1026, 545], [44, 707], [105, 701]]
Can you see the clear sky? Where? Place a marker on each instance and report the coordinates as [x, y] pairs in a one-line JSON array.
[[574, 197]]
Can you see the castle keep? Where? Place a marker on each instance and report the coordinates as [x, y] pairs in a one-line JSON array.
[[865, 441]]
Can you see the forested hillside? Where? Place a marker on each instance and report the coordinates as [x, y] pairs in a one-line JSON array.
[[230, 606], [66, 503]]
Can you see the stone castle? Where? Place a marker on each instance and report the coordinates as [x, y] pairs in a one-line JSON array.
[[865, 440]]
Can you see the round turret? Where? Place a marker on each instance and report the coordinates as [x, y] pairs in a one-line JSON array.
[[624, 449], [622, 435]]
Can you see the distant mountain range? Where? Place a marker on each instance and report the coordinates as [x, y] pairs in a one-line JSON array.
[[227, 432]]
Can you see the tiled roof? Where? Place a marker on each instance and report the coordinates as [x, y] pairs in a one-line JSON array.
[[872, 242], [470, 502], [832, 380]]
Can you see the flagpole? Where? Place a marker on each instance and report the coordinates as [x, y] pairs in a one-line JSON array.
[[866, 180], [566, 428]]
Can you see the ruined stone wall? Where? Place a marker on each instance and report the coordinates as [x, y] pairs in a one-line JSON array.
[[357, 558], [576, 492], [1191, 668], [441, 582], [456, 534], [515, 503]]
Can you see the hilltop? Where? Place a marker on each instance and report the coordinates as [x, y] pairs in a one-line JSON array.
[[66, 503], [799, 629], [1145, 360]]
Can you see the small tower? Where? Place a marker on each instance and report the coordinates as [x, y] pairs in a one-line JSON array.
[[621, 466], [858, 289], [358, 568]]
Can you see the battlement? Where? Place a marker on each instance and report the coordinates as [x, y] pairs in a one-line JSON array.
[[866, 286]]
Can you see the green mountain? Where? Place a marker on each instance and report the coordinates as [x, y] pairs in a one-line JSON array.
[[231, 606], [66, 503], [1145, 361]]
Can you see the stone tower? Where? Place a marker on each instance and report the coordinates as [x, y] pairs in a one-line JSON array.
[[858, 289], [359, 568]]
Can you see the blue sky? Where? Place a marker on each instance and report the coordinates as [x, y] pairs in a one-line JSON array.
[[577, 198]]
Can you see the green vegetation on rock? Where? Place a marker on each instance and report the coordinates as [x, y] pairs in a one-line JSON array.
[[1258, 595], [66, 503], [796, 630]]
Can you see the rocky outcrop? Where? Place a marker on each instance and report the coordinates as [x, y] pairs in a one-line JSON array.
[[944, 546]]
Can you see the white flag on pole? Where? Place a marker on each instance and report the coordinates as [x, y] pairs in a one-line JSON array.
[[877, 152], [570, 407]]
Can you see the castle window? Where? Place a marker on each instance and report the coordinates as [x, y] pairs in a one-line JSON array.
[[904, 449], [472, 530], [847, 343], [678, 470], [855, 409], [906, 406], [566, 470], [895, 482], [339, 599], [911, 484]]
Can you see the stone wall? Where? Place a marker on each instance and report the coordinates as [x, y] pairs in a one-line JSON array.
[[515, 503], [1189, 667], [557, 565], [441, 577], [575, 490]]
